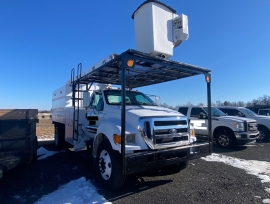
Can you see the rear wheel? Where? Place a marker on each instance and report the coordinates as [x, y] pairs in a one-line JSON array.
[[109, 167], [225, 140], [59, 135], [263, 134]]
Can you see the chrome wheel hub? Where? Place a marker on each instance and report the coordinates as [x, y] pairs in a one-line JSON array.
[[223, 140], [261, 135], [105, 165]]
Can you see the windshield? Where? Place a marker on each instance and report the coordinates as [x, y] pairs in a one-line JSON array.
[[247, 112], [215, 112], [113, 97]]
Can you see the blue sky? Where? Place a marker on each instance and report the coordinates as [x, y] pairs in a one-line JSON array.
[[41, 41]]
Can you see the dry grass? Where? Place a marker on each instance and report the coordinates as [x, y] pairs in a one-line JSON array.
[[45, 129]]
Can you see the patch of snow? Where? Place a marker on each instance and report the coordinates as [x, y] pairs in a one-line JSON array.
[[45, 138], [78, 191], [268, 190], [45, 153], [19, 198], [266, 200]]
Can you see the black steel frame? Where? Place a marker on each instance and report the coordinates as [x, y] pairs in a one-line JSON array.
[[147, 70]]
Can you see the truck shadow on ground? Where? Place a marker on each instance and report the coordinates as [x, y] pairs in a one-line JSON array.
[[137, 183], [83, 166], [217, 149], [237, 148]]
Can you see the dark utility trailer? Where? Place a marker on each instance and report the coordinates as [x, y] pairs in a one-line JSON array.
[[133, 69], [18, 140]]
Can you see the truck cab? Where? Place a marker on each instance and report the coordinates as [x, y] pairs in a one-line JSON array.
[[148, 126]]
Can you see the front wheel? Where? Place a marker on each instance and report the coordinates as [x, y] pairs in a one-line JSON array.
[[225, 140], [109, 167], [263, 134]]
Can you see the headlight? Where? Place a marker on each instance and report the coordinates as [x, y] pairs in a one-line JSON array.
[[239, 126], [130, 138]]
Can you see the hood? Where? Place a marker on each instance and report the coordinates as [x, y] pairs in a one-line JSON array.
[[235, 118], [145, 111], [260, 117]]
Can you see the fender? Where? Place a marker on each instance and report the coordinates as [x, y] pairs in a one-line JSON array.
[[112, 126]]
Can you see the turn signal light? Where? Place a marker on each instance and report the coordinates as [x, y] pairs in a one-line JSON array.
[[193, 132], [117, 138]]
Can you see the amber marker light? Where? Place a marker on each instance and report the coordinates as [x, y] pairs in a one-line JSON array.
[[207, 78], [130, 63], [193, 132], [117, 138]]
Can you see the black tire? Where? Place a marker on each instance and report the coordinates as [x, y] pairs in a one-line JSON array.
[[179, 166], [263, 134], [108, 167], [59, 136], [174, 168], [182, 165], [225, 140], [34, 156]]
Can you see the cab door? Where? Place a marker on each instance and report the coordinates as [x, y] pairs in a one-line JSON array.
[[200, 124], [95, 114]]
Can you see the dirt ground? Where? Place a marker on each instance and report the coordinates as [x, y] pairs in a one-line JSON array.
[[45, 129]]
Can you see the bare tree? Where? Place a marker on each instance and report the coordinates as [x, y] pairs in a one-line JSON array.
[[171, 107], [264, 100], [189, 104], [164, 105], [219, 103], [240, 104]]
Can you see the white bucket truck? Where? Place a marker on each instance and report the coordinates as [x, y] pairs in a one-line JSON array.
[[99, 107]]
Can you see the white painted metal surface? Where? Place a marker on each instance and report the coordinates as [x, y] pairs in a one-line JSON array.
[[158, 30]]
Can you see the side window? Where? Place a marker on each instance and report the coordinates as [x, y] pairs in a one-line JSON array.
[[232, 112], [141, 99], [196, 111], [226, 111], [183, 110], [100, 104], [95, 99]]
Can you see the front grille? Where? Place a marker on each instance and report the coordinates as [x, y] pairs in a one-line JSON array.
[[252, 127], [160, 132], [166, 131], [172, 139], [169, 123]]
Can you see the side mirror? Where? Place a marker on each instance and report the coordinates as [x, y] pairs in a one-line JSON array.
[[202, 116], [86, 99], [240, 114]]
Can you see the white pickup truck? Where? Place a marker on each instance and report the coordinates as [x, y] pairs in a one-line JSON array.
[[227, 130], [263, 121]]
